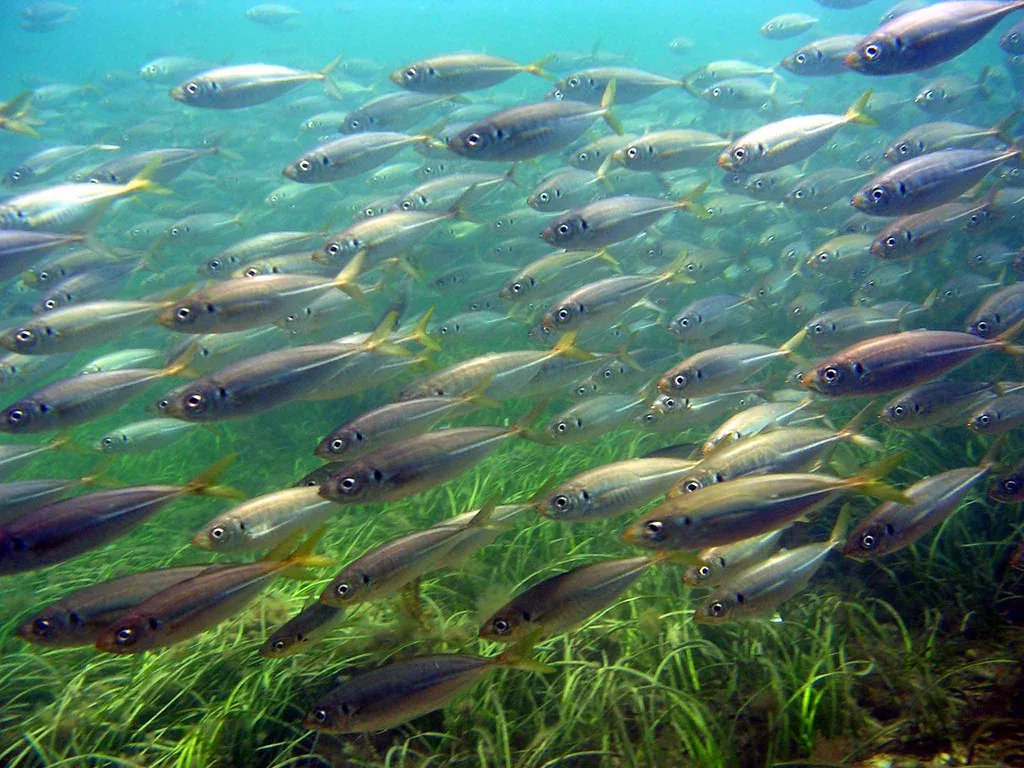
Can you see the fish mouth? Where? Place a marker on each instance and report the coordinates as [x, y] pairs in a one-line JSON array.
[[201, 541], [396, 78], [724, 161], [288, 172], [177, 93], [853, 61]]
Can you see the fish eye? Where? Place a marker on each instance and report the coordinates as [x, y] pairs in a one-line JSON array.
[[337, 444], [320, 715], [929, 94], [704, 571], [517, 288], [830, 375], [891, 241], [872, 52], [582, 157], [183, 314], [692, 485], [543, 197], [982, 326], [684, 322], [217, 533], [564, 229], [410, 73], [573, 81], [1010, 486], [214, 264], [473, 139], [653, 528], [500, 626], [333, 248], [42, 626], [353, 124], [607, 373], [632, 152], [192, 88], [984, 420], [562, 426], [561, 501], [739, 153], [669, 402], [800, 58], [252, 272], [898, 411], [279, 645], [342, 589], [195, 401], [868, 541], [903, 149], [125, 636], [349, 485], [304, 165], [679, 381], [24, 335], [877, 194], [818, 329], [564, 314], [716, 609], [798, 195]]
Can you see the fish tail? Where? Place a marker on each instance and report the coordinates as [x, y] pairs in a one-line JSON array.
[[420, 334], [856, 113], [378, 340], [852, 429], [566, 347], [346, 279], [868, 481], [838, 536], [688, 201], [330, 86], [20, 126], [204, 484], [602, 172], [607, 100], [180, 365], [15, 106], [603, 255], [676, 270], [512, 175], [1001, 130], [478, 394], [143, 181], [296, 557], [483, 516], [789, 347], [982, 83], [526, 664], [537, 67], [1007, 337]]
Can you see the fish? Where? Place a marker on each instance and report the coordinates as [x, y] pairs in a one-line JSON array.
[[79, 399], [787, 25], [142, 436], [521, 133], [404, 690], [724, 513], [310, 625], [821, 58], [718, 369], [937, 403], [669, 150], [14, 115], [190, 607], [762, 587], [927, 181], [460, 72], [1000, 415], [896, 525], [349, 156], [561, 602], [892, 362], [263, 522], [245, 85], [923, 38], [611, 490], [77, 619], [62, 530], [631, 85], [719, 565], [791, 140], [391, 566], [272, 14]]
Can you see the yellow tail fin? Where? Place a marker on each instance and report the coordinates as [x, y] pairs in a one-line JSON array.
[[856, 113]]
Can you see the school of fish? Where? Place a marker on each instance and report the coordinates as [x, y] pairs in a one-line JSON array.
[[773, 257]]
